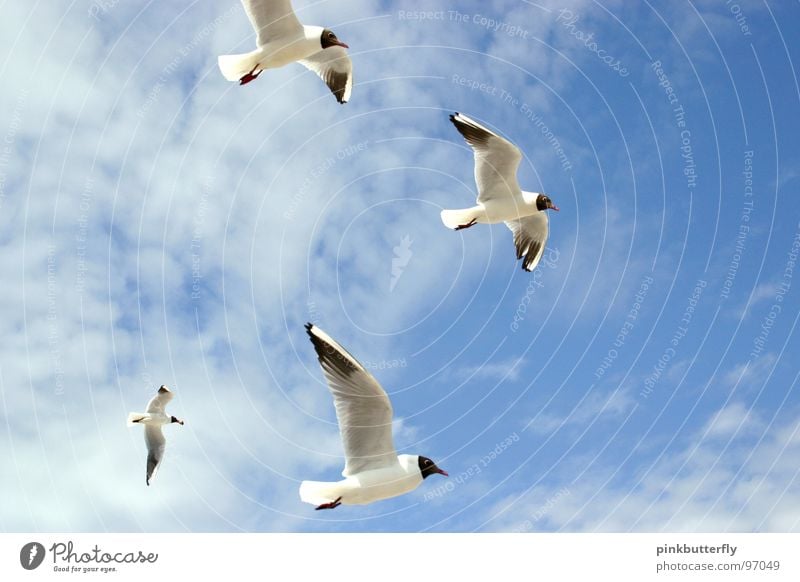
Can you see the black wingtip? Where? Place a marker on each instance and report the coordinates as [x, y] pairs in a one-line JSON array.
[[330, 354], [311, 335], [453, 117]]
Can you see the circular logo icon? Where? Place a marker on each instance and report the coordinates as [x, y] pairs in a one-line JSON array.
[[31, 555]]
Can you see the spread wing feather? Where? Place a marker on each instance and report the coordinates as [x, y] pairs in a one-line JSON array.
[[496, 160], [272, 19], [362, 406]]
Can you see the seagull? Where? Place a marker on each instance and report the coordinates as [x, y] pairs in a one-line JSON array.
[[153, 420], [373, 470], [499, 196], [281, 40]]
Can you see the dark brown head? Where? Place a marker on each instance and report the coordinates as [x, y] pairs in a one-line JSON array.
[[428, 468], [328, 39], [176, 419], [163, 389], [543, 202]]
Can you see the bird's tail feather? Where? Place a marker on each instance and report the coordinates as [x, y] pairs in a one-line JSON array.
[[456, 218], [318, 492], [134, 417], [234, 67]]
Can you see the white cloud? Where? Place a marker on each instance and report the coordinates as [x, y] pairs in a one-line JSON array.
[[735, 418], [505, 370], [743, 479], [167, 172], [593, 406], [753, 372], [761, 293], [167, 176]]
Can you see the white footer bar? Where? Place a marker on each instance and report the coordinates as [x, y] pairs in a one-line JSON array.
[[386, 557]]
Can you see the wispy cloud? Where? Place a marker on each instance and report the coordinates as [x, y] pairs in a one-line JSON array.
[[595, 405], [734, 418], [508, 369], [160, 225], [726, 483]]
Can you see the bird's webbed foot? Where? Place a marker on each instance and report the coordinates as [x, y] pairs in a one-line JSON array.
[[331, 505]]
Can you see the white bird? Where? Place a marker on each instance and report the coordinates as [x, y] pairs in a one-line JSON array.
[[281, 40], [153, 420], [373, 469], [500, 198]]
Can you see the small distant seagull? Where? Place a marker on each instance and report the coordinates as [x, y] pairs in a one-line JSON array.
[[500, 198], [373, 469], [281, 40], [153, 420]]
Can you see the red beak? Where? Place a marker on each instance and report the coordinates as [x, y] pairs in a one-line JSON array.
[[441, 472], [554, 207], [340, 43]]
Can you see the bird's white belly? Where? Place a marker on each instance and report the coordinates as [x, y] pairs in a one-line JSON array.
[[502, 209], [155, 418], [380, 484], [279, 54]]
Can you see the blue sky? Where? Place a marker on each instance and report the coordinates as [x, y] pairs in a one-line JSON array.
[[160, 225]]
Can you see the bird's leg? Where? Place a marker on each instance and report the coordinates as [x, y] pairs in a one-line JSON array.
[[470, 223], [250, 76], [331, 505]]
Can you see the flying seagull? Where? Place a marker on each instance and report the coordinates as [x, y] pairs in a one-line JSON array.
[[281, 40], [153, 420], [373, 470], [500, 198]]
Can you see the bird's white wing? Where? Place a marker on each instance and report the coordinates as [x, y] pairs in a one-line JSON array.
[[159, 401], [530, 237], [155, 449], [272, 19], [333, 66], [496, 160], [362, 407]]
